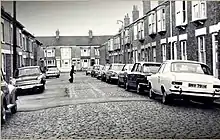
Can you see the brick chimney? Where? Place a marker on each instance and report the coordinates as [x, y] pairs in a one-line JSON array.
[[135, 13], [57, 34], [90, 34], [146, 6], [126, 20]]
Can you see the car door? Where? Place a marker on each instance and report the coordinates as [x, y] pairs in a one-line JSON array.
[[138, 75], [159, 76], [130, 75], [121, 74], [155, 78], [108, 72], [135, 74]]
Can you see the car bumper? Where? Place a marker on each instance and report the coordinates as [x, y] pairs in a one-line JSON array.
[[145, 85], [115, 78], [52, 75], [195, 94], [29, 86]]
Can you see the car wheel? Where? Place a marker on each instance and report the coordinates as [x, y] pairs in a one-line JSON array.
[[3, 115], [42, 88], [165, 98], [14, 109], [139, 90], [151, 94], [58, 76], [127, 86], [119, 83]]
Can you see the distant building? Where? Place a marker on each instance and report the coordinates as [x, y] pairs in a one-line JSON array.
[[64, 51]]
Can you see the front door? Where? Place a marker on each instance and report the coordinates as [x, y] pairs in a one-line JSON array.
[[66, 64], [215, 54]]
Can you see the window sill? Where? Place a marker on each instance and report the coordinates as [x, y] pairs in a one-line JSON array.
[[199, 20]]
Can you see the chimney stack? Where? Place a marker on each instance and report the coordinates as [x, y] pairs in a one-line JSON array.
[[90, 34], [57, 34], [126, 20], [146, 6], [135, 13]]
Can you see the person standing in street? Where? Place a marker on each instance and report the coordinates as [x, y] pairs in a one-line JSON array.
[[71, 74]]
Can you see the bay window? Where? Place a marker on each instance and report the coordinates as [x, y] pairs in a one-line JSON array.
[[181, 12], [152, 23], [161, 24], [141, 30], [199, 10], [164, 52]]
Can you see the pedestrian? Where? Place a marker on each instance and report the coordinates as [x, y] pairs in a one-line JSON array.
[[71, 74]]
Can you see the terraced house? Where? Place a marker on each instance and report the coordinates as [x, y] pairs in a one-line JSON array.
[[28, 53], [186, 30]]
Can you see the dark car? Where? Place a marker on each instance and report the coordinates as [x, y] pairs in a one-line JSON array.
[[138, 77], [88, 70], [29, 78], [99, 72], [113, 71], [104, 71], [123, 74]]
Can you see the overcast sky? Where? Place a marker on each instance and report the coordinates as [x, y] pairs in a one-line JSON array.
[[43, 18]]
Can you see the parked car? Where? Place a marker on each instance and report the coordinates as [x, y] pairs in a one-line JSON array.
[[8, 98], [104, 71], [189, 80], [95, 70], [88, 70], [98, 72], [138, 77], [113, 71], [123, 74], [29, 78], [52, 72]]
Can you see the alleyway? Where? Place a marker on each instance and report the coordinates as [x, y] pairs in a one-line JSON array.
[[90, 108]]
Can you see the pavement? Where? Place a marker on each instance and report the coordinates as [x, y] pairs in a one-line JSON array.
[[89, 108]]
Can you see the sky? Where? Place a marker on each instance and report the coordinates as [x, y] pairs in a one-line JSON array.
[[43, 18]]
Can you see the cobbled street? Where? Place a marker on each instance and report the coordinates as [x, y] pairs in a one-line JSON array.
[[90, 108]]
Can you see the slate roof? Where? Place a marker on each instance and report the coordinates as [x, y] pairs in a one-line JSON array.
[[73, 40]]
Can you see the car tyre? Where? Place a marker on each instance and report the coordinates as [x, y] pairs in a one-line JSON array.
[[42, 88], [3, 115], [151, 94], [139, 89], [165, 98], [14, 109], [119, 83], [127, 88]]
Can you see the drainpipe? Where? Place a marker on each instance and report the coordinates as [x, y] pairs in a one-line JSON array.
[[14, 39], [171, 28]]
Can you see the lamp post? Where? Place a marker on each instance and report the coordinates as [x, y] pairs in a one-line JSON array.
[[122, 32]]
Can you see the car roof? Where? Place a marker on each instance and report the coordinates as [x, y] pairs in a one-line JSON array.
[[28, 67], [143, 62], [186, 61]]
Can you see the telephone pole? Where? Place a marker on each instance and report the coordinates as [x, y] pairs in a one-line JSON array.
[[14, 39]]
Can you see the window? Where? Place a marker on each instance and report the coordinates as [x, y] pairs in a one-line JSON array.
[[20, 39], [127, 36], [154, 54], [152, 23], [183, 50], [161, 24], [141, 30], [201, 48], [198, 10], [84, 50], [164, 52], [2, 32], [181, 12], [173, 51], [135, 31], [24, 44], [85, 60], [151, 68]]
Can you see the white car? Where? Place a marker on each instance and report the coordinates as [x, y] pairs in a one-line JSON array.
[[189, 80]]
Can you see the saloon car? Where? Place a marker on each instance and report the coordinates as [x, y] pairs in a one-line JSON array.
[[188, 80], [104, 71], [123, 74], [139, 75], [52, 72], [98, 72], [88, 70], [113, 71], [29, 78], [8, 98], [95, 68]]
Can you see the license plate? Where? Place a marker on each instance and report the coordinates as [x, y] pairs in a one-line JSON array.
[[197, 85]]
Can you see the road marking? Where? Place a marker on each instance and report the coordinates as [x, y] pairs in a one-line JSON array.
[[97, 90]]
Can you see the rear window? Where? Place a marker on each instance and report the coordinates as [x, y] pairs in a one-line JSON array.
[[151, 68], [28, 71]]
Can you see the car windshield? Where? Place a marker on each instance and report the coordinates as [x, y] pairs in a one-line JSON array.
[[190, 68], [117, 67], [52, 69], [151, 68], [28, 71]]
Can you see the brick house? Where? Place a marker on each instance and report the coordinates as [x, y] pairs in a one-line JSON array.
[[64, 51], [192, 34], [25, 42]]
